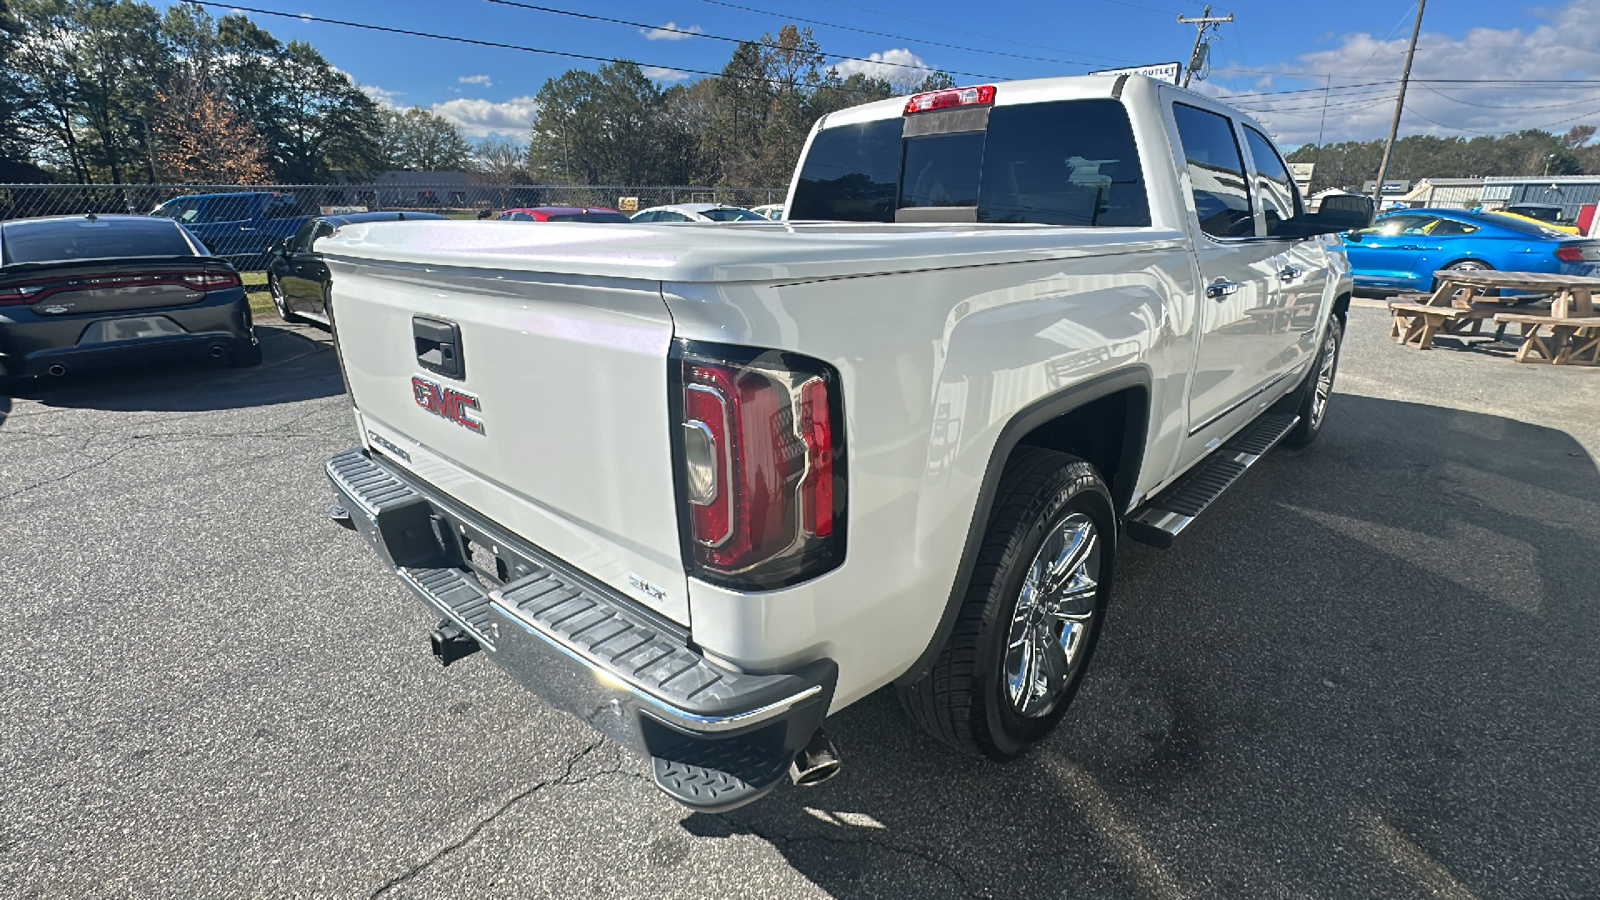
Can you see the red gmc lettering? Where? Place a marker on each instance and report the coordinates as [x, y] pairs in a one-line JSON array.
[[447, 403]]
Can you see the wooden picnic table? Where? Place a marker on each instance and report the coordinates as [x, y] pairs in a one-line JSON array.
[[1465, 298]]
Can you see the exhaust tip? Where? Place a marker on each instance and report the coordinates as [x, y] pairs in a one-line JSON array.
[[217, 351], [57, 370], [817, 762]]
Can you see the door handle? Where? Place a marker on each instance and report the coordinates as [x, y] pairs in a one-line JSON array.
[[1216, 290], [1409, 247], [438, 345], [1289, 273]]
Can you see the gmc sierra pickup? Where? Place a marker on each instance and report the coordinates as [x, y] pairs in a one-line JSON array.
[[705, 485]]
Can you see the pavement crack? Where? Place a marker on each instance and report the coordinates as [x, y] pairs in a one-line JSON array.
[[565, 779], [70, 473]]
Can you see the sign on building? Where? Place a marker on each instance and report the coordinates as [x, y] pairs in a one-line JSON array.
[[1169, 72], [627, 204], [1301, 173]]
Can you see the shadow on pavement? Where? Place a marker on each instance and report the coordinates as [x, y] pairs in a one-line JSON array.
[[1373, 670], [295, 367]]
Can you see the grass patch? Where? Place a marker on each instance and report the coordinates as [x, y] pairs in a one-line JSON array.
[[255, 287]]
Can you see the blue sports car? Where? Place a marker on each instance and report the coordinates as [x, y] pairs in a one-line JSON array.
[[1402, 250]]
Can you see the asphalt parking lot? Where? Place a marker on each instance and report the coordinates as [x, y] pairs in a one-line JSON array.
[[1373, 670]]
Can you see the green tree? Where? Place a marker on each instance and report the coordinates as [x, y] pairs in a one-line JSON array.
[[499, 161], [314, 121], [423, 141], [598, 128]]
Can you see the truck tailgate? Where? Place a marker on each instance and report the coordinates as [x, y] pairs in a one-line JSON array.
[[557, 426]]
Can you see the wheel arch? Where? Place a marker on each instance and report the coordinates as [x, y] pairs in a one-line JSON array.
[[1118, 402]]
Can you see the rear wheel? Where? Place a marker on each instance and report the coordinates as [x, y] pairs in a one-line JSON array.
[[1468, 265], [279, 300], [1032, 614]]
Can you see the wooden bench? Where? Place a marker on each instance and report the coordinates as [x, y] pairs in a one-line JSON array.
[[1418, 323], [1571, 340]]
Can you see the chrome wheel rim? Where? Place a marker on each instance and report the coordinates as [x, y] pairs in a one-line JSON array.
[[1054, 612], [1324, 387], [277, 299]]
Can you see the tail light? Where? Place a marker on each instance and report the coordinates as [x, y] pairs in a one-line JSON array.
[[761, 465], [34, 291], [1578, 251], [967, 96]]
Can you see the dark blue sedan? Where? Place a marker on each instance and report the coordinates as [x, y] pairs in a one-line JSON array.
[[1402, 249]]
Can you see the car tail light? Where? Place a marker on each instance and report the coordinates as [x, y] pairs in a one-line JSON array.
[[967, 96], [35, 291], [760, 454], [1578, 251]]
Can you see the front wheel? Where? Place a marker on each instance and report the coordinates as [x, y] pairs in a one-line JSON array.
[[1318, 389], [1032, 613]]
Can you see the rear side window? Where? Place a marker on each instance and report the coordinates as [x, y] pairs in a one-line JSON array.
[[1274, 187], [65, 240], [234, 208], [1071, 162], [589, 217], [1216, 172], [851, 174], [733, 214]]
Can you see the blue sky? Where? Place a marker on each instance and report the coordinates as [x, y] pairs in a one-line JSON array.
[[1272, 46]]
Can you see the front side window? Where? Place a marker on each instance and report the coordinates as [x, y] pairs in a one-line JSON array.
[[1216, 172], [1274, 186], [302, 238], [1451, 228]]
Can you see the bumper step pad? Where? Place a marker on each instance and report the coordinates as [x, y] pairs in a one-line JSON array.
[[717, 738], [1159, 521]]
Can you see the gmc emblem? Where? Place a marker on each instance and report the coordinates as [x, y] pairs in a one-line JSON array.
[[447, 403]]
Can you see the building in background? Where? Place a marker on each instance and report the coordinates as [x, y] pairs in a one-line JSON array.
[[1570, 192], [1449, 193]]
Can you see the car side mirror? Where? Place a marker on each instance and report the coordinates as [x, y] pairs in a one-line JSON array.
[[1353, 237]]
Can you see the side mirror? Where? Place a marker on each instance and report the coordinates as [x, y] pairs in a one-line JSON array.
[[1353, 237]]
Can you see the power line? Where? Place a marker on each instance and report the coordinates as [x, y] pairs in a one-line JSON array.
[[717, 37], [901, 37], [1492, 106], [1509, 130], [940, 25], [307, 17]]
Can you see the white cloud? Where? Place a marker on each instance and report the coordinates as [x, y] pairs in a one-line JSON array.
[[479, 118], [891, 65], [476, 79], [381, 96], [669, 32], [660, 73], [1565, 46]]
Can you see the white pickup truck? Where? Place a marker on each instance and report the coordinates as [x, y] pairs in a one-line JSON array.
[[703, 485]]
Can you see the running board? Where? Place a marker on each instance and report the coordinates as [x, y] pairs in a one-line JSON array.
[[1159, 521]]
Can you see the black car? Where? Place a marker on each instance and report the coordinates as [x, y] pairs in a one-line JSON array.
[[296, 274], [85, 292]]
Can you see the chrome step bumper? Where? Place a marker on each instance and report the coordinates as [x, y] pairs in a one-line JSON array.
[[717, 737]]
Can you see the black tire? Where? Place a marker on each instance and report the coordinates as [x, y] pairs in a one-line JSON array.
[[245, 356], [966, 699], [1312, 406]]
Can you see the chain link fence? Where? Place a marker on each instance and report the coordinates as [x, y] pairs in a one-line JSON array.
[[245, 223]]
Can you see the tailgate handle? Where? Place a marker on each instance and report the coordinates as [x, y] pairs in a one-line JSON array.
[[439, 346]]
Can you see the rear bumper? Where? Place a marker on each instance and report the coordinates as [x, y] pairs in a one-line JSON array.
[[31, 344], [717, 738]]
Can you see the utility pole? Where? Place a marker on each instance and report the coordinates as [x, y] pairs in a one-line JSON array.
[[1197, 56], [1399, 107]]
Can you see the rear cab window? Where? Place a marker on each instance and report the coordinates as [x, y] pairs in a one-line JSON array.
[[1066, 162], [65, 240], [1216, 172]]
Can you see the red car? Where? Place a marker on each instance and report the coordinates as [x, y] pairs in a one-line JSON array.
[[562, 214]]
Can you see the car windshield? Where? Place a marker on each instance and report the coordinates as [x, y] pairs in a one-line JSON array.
[[732, 214], [63, 240]]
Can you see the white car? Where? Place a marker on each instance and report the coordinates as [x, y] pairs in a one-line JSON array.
[[697, 212], [705, 486], [773, 211]]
